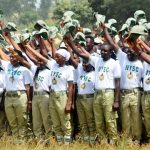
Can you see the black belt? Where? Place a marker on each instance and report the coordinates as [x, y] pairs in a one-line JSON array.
[[127, 91], [146, 92], [14, 93], [84, 96], [41, 93]]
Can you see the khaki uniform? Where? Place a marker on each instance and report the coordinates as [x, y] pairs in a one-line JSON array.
[[2, 120], [130, 113], [146, 111], [84, 105], [61, 120], [41, 115], [16, 112], [105, 117]]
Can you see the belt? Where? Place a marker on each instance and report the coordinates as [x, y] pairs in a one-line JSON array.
[[104, 90], [127, 91], [58, 91], [146, 92], [84, 96], [41, 92], [14, 93]]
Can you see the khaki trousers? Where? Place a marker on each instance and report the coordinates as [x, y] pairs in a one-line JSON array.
[[42, 124], [105, 117], [130, 114], [86, 116], [146, 112], [61, 120], [16, 112]]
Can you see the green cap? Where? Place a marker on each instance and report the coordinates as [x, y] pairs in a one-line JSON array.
[[15, 37], [99, 18], [113, 31], [139, 14], [68, 13], [53, 30], [67, 16], [130, 22], [24, 38], [10, 27], [147, 25], [139, 29], [39, 25], [66, 19], [68, 28], [142, 21], [87, 31], [76, 23], [124, 30], [82, 43], [79, 36], [112, 21], [43, 33]]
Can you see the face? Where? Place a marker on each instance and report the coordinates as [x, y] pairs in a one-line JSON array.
[[89, 44], [105, 52], [13, 60], [59, 59], [132, 56], [86, 67]]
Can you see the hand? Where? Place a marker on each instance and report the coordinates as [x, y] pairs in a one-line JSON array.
[[68, 107], [1, 24], [115, 106], [102, 25]]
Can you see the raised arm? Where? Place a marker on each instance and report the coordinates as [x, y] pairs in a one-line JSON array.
[[78, 51], [4, 56], [109, 38], [34, 52]]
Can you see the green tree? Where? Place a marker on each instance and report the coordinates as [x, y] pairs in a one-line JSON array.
[[82, 10]]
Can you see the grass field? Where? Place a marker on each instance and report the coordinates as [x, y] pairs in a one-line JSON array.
[[6, 144]]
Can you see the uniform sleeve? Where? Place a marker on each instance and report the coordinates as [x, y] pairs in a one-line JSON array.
[[93, 60], [50, 63], [27, 77], [75, 75], [121, 55], [70, 75], [117, 69], [33, 69]]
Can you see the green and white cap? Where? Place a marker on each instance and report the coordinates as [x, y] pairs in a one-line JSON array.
[[43, 33], [139, 14], [130, 22], [99, 18], [142, 21], [67, 16], [87, 31], [25, 37], [79, 36], [40, 24], [139, 29], [53, 30], [10, 27], [112, 21]]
